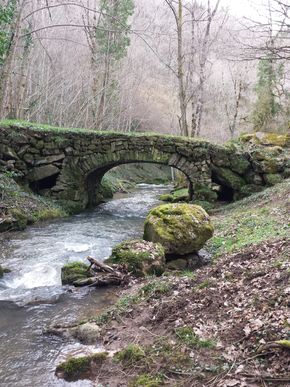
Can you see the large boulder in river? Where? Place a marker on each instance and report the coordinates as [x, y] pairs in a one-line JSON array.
[[180, 228], [141, 258]]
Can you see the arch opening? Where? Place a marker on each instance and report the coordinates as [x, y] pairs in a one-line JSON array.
[[44, 185], [143, 172], [225, 193]]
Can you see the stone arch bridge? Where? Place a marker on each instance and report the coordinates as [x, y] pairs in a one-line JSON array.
[[68, 165]]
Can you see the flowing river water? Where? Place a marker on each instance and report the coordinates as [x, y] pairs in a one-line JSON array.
[[32, 298]]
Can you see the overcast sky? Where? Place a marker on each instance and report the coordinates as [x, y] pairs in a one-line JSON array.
[[249, 8]]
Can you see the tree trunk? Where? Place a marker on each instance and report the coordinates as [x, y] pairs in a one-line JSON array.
[[5, 102], [180, 71]]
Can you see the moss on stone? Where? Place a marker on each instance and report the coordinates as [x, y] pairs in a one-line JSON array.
[[239, 164], [141, 257], [272, 179], [248, 190], [263, 138], [228, 178], [21, 219], [180, 228], [80, 367], [166, 198], [178, 195], [204, 193], [73, 272]]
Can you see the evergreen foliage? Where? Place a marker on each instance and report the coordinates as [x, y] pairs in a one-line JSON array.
[[6, 17], [267, 105], [113, 33]]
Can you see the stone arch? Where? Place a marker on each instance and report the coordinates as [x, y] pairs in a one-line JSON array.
[[80, 176], [94, 179]]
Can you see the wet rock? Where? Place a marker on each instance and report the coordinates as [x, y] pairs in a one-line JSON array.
[[74, 271], [141, 257], [180, 228], [3, 271], [76, 368], [87, 333]]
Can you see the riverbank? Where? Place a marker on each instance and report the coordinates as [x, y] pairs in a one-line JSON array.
[[20, 207], [226, 324]]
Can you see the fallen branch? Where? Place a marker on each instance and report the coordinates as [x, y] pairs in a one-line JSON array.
[[99, 266], [266, 378], [104, 275]]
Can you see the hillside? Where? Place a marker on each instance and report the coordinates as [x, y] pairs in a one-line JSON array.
[[226, 324]]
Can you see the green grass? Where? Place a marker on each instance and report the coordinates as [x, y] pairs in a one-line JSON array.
[[147, 380], [130, 355], [60, 130], [261, 217], [187, 336]]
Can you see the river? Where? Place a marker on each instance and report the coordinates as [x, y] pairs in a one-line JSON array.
[[32, 298]]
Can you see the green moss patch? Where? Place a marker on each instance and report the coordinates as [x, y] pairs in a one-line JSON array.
[[80, 367], [142, 258], [73, 272], [180, 228], [187, 336]]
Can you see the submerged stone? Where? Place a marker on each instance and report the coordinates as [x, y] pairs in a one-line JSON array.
[[141, 257], [179, 228], [3, 271]]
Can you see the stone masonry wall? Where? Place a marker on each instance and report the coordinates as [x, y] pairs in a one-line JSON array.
[[69, 165]]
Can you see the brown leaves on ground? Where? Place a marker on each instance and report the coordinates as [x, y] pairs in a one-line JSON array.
[[241, 303]]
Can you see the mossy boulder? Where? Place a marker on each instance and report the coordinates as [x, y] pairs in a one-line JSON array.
[[87, 333], [141, 257], [267, 139], [180, 228], [166, 198], [74, 271], [178, 195], [76, 368]]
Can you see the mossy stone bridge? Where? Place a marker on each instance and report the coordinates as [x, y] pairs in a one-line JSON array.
[[69, 165]]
